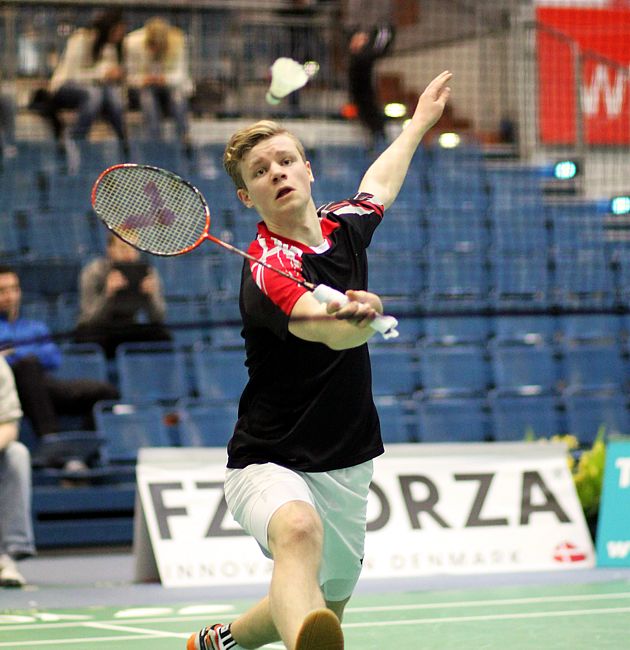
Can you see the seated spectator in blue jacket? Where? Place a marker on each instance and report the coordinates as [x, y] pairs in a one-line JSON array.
[[33, 356], [16, 526]]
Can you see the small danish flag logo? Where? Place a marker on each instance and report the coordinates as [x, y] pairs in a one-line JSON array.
[[568, 552]]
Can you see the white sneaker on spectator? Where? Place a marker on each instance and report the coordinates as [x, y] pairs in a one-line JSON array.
[[9, 575]]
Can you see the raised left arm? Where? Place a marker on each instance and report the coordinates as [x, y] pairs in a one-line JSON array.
[[385, 176]]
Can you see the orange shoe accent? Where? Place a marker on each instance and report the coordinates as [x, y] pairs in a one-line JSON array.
[[320, 630], [190, 644]]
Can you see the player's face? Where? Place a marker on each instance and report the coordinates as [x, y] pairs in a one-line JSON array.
[[10, 295], [277, 180]]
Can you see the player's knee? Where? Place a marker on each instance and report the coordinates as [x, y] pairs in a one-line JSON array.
[[297, 527]]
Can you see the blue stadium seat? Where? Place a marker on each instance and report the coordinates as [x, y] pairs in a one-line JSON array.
[[49, 277], [187, 275], [394, 370], [514, 417], [584, 278], [403, 230], [185, 318], [459, 230], [456, 279], [510, 185], [82, 360], [397, 419], [529, 330], [452, 420], [129, 427], [456, 330], [590, 328], [524, 369], [70, 193], [454, 370], [206, 423], [60, 233], [593, 367], [151, 372], [519, 279], [519, 229], [396, 280], [576, 225], [10, 242], [219, 373], [586, 413]]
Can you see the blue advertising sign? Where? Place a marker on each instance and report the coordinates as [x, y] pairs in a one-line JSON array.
[[613, 526]]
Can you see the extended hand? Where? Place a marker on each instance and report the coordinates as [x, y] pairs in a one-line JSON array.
[[432, 101]]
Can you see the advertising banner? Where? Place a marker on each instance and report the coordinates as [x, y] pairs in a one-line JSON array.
[[613, 524], [583, 71], [461, 508]]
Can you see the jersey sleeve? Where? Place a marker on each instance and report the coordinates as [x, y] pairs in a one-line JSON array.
[[282, 291], [362, 212]]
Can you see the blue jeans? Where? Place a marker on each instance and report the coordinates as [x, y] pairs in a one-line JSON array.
[[90, 103], [7, 120], [156, 101], [16, 525]]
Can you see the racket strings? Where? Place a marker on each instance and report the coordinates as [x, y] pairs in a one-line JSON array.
[[151, 209]]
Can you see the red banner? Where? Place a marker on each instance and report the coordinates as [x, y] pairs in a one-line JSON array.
[[594, 45]]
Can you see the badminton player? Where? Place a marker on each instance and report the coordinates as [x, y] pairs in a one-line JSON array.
[[300, 458]]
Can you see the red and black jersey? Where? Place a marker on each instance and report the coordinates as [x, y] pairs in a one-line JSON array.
[[306, 406]]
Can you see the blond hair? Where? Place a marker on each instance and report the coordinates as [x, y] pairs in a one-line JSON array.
[[245, 139], [162, 38]]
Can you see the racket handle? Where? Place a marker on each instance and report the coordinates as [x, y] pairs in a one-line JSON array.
[[386, 325]]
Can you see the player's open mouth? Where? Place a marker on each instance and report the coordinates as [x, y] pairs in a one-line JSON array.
[[283, 192]]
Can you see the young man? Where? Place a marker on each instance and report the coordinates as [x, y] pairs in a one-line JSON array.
[[300, 459], [44, 397]]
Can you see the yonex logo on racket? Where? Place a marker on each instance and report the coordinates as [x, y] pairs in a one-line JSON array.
[[159, 213]]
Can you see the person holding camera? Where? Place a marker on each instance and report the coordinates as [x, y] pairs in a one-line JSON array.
[[121, 299]]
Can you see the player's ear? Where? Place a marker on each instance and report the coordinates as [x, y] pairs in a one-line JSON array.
[[310, 170], [243, 196]]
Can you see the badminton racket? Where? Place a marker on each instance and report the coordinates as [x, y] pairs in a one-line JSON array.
[[159, 212]]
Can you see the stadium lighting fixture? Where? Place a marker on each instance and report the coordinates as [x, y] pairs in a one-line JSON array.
[[449, 140], [395, 109], [565, 170], [620, 204]]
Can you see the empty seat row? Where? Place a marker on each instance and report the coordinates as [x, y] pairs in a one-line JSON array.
[[194, 422]]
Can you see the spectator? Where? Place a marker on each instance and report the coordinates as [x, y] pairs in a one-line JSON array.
[[157, 75], [88, 79], [365, 48], [121, 299], [44, 397], [16, 527], [7, 126]]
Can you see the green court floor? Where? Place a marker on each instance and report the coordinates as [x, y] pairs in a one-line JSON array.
[[575, 617]]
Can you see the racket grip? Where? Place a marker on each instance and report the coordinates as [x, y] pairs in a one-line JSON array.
[[385, 325]]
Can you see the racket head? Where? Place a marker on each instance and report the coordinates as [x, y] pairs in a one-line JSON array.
[[151, 208]]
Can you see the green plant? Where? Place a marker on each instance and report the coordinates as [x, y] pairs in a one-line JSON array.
[[586, 466]]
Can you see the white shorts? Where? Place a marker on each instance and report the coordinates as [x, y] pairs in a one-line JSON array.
[[254, 493]]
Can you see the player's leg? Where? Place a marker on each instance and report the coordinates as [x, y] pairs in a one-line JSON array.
[[295, 540]]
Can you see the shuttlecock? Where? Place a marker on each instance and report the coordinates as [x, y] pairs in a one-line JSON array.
[[287, 75]]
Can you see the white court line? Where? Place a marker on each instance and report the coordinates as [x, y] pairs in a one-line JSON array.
[[138, 630], [494, 617], [349, 610], [419, 621], [482, 603]]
